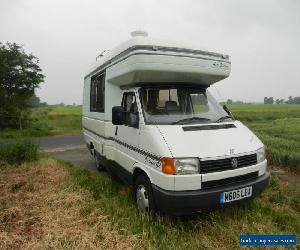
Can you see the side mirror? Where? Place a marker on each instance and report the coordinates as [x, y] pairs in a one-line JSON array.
[[117, 115], [227, 111]]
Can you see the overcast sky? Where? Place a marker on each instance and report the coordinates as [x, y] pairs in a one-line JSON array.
[[262, 38]]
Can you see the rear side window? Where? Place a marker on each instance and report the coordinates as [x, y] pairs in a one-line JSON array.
[[97, 97]]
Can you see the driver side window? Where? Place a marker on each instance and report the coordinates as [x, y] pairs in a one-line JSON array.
[[130, 110]]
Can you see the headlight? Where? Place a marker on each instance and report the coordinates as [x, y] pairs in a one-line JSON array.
[[187, 166], [261, 155], [180, 166]]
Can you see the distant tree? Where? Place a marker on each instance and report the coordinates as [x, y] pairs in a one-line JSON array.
[[268, 100], [20, 75], [290, 100], [229, 101], [239, 102], [279, 101], [35, 101], [297, 100]]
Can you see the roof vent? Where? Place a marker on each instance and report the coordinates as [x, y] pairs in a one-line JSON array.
[[139, 33]]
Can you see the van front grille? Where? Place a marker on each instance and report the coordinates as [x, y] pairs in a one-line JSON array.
[[224, 164], [230, 180]]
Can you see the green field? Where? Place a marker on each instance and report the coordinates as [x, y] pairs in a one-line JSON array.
[[47, 121]]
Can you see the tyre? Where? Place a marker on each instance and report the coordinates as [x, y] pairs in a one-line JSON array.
[[98, 164], [144, 195]]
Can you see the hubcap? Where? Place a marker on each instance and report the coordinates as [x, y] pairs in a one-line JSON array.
[[142, 199]]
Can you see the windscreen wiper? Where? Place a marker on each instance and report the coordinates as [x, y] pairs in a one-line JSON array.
[[223, 118], [187, 120]]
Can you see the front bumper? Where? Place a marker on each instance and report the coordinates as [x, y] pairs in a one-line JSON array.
[[187, 202]]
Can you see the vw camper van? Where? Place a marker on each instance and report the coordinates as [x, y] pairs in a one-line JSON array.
[[150, 119]]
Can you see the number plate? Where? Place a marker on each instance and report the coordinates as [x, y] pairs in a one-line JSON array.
[[235, 195]]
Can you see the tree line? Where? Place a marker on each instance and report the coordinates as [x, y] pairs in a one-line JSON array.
[[290, 100], [271, 100]]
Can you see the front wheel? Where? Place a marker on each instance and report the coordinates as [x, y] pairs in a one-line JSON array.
[[144, 195]]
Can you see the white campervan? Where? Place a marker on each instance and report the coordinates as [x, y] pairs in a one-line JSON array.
[[149, 119]]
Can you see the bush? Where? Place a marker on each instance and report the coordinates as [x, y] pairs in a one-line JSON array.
[[18, 152]]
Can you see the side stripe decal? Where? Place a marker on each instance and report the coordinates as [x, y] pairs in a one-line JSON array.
[[124, 144]]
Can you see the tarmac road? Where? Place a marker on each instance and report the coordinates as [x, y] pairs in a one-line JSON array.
[[67, 147]]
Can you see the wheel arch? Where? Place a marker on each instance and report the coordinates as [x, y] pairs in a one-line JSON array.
[[138, 169]]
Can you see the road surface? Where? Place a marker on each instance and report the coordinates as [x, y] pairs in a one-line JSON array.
[[67, 147]]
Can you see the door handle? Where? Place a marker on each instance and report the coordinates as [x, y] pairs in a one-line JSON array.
[[116, 130]]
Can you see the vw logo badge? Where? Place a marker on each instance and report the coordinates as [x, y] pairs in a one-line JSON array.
[[234, 162]]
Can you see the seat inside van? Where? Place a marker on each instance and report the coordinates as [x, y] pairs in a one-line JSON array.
[[172, 107]]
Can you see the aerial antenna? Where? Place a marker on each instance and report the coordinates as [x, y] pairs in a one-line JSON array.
[[101, 54]]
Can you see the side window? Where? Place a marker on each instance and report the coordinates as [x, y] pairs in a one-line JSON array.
[[97, 95], [128, 101], [130, 109]]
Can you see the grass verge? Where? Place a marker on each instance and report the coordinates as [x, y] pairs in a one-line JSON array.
[[42, 208]]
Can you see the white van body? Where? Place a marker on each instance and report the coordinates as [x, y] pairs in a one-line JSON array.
[[187, 165]]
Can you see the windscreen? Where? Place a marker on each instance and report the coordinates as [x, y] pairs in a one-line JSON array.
[[180, 105]]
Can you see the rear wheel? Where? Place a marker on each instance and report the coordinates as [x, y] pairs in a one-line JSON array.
[[144, 196], [98, 164]]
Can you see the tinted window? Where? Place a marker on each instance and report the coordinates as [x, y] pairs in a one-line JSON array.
[[97, 93]]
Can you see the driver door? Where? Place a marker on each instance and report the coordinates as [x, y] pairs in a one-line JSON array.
[[127, 136]]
